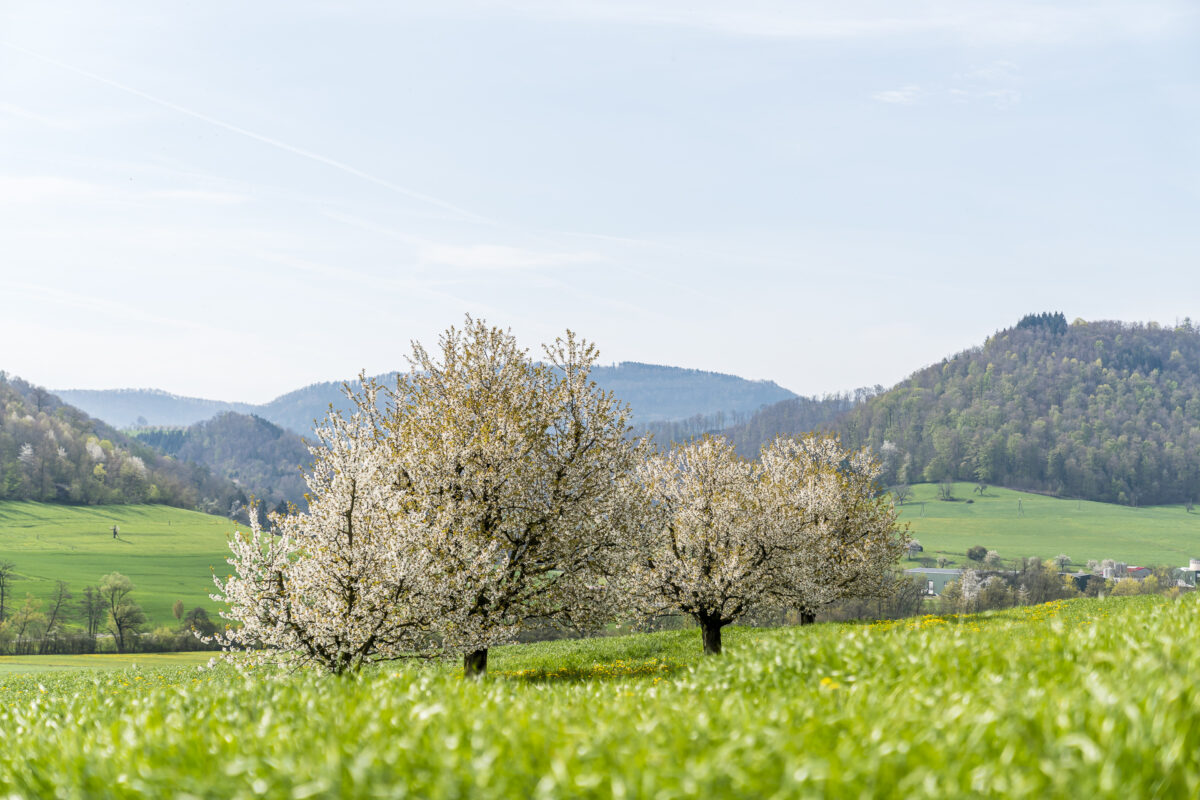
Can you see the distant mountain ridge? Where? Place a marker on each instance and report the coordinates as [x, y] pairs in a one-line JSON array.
[[129, 408], [1103, 410], [656, 393]]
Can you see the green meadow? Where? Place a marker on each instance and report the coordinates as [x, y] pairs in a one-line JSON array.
[[167, 552], [1081, 698], [1021, 524]]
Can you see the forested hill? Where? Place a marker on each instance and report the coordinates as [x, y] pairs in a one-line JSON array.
[[1100, 410], [54, 452], [262, 458]]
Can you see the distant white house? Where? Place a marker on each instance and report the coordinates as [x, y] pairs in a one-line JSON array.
[[1188, 574], [935, 578]]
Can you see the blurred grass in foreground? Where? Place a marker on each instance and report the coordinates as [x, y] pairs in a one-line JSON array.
[[1075, 698]]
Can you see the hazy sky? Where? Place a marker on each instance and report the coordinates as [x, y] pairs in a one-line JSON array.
[[232, 200]]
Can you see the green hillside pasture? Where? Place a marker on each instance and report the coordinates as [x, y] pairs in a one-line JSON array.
[[166, 552], [1086, 698], [1046, 526]]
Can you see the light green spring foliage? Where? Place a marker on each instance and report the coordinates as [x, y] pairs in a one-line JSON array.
[[1073, 699]]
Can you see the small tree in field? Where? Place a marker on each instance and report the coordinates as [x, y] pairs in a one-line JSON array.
[[91, 606], [515, 469], [347, 582], [125, 616], [27, 625], [59, 610], [7, 568]]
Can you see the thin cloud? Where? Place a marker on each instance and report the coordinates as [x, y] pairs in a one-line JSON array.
[[1009, 22], [55, 298], [200, 196], [11, 110], [996, 71], [276, 143], [905, 96], [484, 257], [20, 190], [999, 98], [992, 84], [497, 257]]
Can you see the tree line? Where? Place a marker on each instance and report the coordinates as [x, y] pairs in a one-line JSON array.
[[71, 622], [1037, 581], [486, 492]]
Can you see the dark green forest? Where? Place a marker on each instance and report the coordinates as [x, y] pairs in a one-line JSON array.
[[262, 458], [1104, 411], [53, 452]]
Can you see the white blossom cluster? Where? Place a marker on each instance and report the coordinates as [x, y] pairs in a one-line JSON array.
[[515, 469], [801, 528], [487, 495], [346, 582], [487, 492]]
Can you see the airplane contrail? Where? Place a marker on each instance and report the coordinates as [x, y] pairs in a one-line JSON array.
[[299, 151]]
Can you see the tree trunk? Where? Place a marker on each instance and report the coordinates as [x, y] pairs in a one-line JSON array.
[[808, 617], [710, 629], [475, 664]]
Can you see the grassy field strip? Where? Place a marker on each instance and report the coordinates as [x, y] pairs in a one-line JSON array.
[[1083, 698], [167, 552], [15, 665], [1020, 524]]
